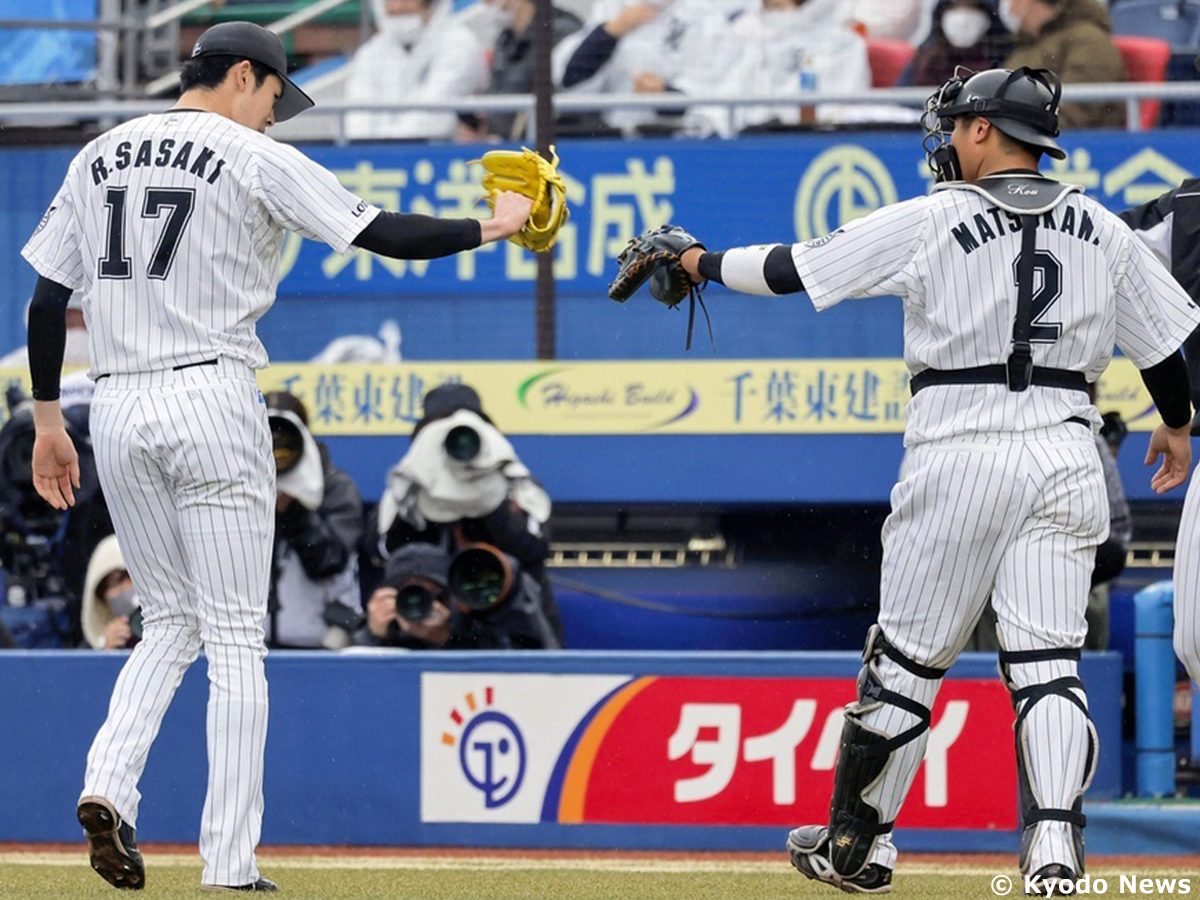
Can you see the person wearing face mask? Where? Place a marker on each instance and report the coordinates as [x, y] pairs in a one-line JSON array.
[[669, 47], [111, 615], [965, 33], [507, 27], [789, 48], [421, 52], [1074, 38]]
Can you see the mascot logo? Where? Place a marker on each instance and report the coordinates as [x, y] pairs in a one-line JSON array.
[[491, 750], [842, 184]]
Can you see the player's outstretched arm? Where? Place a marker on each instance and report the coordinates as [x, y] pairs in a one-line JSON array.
[[412, 236], [767, 270], [510, 215]]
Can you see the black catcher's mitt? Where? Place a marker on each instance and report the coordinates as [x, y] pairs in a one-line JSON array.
[[655, 256]]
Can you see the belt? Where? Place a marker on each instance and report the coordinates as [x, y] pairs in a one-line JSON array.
[[998, 374], [205, 362]]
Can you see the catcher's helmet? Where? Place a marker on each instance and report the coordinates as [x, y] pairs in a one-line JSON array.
[[1022, 103]]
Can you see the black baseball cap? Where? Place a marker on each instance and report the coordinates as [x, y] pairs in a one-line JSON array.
[[246, 40]]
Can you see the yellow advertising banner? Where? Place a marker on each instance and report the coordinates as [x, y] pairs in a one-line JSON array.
[[783, 396]]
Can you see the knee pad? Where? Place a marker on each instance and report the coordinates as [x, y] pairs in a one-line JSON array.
[[864, 755], [1023, 700]]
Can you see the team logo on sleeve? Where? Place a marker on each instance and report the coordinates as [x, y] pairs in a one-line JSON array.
[[45, 219], [360, 209], [822, 241]]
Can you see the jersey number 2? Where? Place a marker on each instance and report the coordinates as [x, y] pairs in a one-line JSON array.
[[114, 263], [1047, 288]]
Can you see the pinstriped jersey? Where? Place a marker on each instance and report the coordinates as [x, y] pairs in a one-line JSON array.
[[171, 226], [951, 257]]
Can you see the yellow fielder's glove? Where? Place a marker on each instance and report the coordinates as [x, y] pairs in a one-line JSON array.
[[538, 179]]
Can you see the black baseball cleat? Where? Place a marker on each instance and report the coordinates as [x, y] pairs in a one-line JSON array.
[[263, 884], [112, 844], [1046, 880], [808, 846]]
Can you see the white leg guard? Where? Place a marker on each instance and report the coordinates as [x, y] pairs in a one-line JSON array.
[[1057, 747]]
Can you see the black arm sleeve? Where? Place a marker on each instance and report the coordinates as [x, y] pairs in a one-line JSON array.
[[1170, 389], [47, 337], [408, 236], [710, 266], [780, 271], [589, 56]]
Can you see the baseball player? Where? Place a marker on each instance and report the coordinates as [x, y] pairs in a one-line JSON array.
[[170, 226], [1170, 226], [1015, 288]]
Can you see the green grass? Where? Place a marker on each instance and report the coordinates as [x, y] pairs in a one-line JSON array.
[[65, 876]]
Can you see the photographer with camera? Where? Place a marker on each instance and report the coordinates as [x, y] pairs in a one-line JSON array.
[[111, 617], [44, 552], [314, 598], [462, 488], [468, 597]]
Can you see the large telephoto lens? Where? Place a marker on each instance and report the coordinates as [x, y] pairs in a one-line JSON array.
[[463, 443]]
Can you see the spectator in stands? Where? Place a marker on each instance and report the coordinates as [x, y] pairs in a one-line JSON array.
[[966, 33], [789, 48], [668, 47], [512, 62], [889, 20], [421, 52], [1074, 38], [314, 598], [111, 614]]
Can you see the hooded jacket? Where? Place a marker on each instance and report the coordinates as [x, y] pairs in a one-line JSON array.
[[1077, 45]]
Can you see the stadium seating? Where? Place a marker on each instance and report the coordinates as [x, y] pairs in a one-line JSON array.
[[1175, 21], [887, 60], [1146, 59]]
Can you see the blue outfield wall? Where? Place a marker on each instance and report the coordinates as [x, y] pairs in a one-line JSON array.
[[353, 738], [480, 306]]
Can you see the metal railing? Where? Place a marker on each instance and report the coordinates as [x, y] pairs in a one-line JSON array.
[[102, 110], [281, 27]]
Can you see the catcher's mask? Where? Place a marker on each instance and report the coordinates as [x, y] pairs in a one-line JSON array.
[[1022, 103]]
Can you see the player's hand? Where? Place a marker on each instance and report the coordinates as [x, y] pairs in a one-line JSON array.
[[55, 467], [631, 18], [1174, 445], [510, 215], [691, 263], [117, 634], [381, 611]]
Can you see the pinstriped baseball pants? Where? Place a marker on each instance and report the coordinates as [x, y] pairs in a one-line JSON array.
[[185, 461], [1187, 582], [1016, 517]]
